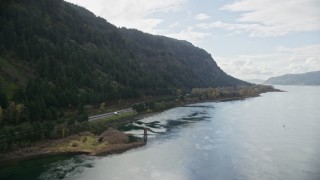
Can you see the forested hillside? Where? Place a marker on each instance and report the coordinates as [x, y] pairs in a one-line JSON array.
[[56, 55]]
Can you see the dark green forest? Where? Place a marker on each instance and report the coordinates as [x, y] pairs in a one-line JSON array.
[[55, 56]]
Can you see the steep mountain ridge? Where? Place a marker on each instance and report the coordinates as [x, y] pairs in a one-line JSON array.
[[55, 54]]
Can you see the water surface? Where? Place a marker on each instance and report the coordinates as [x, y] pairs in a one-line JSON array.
[[275, 136]]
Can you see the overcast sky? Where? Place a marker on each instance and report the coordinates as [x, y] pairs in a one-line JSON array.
[[249, 39]]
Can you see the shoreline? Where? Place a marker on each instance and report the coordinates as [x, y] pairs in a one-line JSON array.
[[44, 149], [109, 142], [110, 151]]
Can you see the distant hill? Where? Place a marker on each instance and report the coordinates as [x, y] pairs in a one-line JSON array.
[[256, 81], [309, 78], [54, 54]]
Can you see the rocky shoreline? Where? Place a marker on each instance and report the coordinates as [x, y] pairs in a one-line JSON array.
[[109, 142]]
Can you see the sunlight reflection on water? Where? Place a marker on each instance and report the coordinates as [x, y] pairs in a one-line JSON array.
[[243, 139]]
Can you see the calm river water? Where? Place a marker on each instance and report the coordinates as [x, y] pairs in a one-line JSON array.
[[275, 136]]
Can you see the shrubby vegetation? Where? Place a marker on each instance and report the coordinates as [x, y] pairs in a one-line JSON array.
[[203, 94], [156, 105], [229, 92]]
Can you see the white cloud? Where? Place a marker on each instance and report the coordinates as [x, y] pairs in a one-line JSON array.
[[201, 17], [272, 17], [253, 29], [311, 50], [131, 13], [262, 66], [189, 34], [173, 25]]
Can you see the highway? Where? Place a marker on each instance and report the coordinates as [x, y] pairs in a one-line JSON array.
[[106, 115]]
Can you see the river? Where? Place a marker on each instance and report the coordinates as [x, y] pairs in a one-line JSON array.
[[274, 136]]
